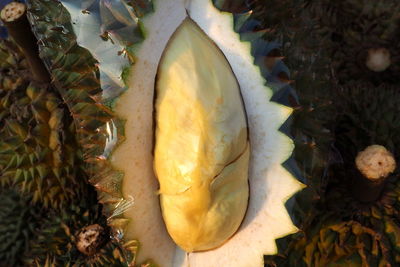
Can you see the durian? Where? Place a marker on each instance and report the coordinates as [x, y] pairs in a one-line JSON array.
[[354, 224], [79, 37], [37, 145]]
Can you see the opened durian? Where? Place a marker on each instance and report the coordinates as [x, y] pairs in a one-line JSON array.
[[239, 125]]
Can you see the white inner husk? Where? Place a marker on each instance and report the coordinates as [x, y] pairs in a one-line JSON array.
[[270, 184]]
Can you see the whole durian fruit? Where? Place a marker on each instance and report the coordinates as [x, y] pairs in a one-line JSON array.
[[346, 226], [38, 152], [344, 229]]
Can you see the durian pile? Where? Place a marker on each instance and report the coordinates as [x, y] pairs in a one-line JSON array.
[[199, 133]]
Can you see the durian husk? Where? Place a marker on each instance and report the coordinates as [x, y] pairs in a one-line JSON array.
[[296, 43], [297, 69], [39, 221], [76, 74], [360, 234], [55, 239], [38, 152], [353, 28]]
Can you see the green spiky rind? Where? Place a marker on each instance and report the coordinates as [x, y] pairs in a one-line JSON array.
[[354, 27], [366, 116], [360, 125], [54, 242], [12, 68], [285, 40], [18, 220], [312, 138], [291, 32], [357, 126], [349, 234], [76, 74], [333, 242], [37, 147], [11, 57]]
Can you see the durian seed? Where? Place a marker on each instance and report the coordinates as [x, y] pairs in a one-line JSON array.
[[12, 11], [378, 59], [90, 238], [375, 162]]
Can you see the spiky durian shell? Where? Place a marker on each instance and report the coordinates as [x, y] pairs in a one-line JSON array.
[[367, 114], [11, 65], [354, 27], [76, 75], [55, 239], [43, 234], [335, 242], [38, 151], [360, 125], [363, 119], [18, 220], [347, 233], [301, 65]]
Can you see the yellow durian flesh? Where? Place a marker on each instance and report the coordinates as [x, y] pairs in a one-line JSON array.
[[202, 151]]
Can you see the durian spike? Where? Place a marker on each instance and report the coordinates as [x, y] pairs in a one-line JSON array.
[[14, 18]]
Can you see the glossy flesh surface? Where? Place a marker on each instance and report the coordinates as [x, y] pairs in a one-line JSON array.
[[202, 149]]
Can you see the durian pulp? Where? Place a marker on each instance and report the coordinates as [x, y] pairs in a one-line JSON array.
[[202, 148], [270, 184]]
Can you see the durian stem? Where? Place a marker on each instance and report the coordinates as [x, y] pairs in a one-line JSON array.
[[373, 165], [15, 20], [366, 190]]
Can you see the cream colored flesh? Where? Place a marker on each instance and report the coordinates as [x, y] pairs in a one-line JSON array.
[[202, 149], [270, 184]]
